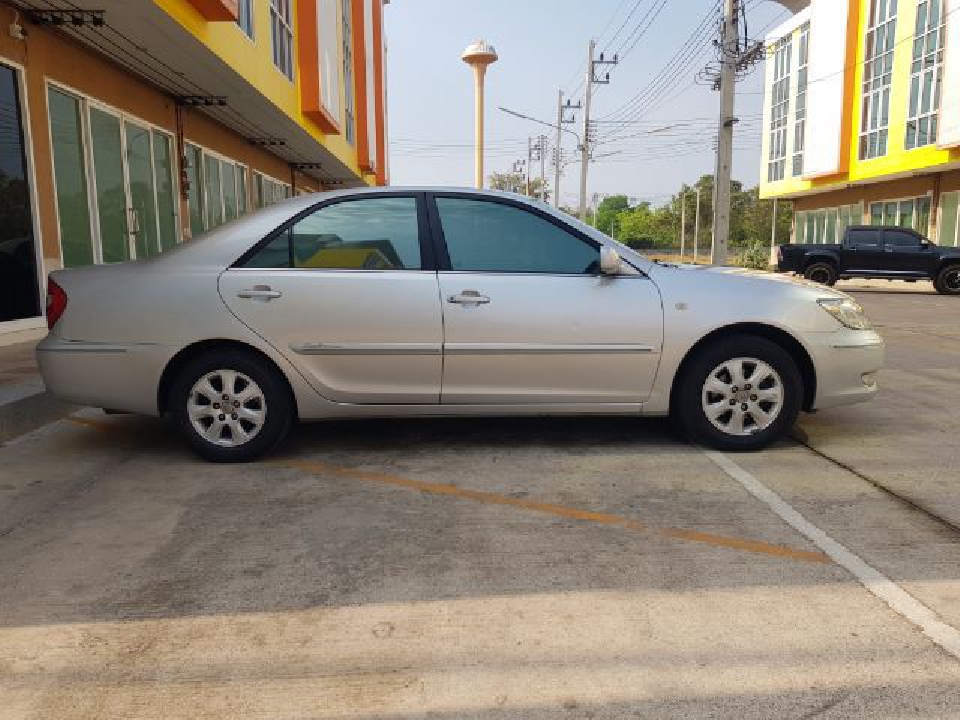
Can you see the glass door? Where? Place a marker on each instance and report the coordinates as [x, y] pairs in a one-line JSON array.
[[111, 188], [166, 193], [142, 206], [19, 286]]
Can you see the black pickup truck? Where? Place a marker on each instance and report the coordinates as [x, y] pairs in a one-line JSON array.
[[888, 253]]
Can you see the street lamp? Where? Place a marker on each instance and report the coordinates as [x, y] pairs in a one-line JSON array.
[[479, 56]]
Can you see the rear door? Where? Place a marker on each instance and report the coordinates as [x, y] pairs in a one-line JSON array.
[[863, 251], [527, 316], [348, 293], [904, 253]]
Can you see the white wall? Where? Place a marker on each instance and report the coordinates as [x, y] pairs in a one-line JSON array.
[[949, 135], [825, 92]]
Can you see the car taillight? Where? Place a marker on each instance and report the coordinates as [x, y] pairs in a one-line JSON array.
[[56, 303]]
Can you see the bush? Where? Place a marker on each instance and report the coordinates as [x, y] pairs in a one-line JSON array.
[[754, 257]]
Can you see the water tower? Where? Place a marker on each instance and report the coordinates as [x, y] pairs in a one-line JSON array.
[[479, 56]]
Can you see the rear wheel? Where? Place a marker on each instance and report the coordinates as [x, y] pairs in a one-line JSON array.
[[231, 406], [821, 272], [947, 281], [741, 393]]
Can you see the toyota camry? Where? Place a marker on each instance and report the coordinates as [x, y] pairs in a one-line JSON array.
[[440, 302]]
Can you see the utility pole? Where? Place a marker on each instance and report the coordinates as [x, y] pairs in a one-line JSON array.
[[556, 169], [529, 162], [683, 223], [696, 229], [729, 58], [588, 98], [562, 120], [543, 167]]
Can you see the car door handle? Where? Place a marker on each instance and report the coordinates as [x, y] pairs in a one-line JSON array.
[[260, 292], [469, 297]]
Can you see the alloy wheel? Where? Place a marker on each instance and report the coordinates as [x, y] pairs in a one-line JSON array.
[[742, 396], [227, 408]]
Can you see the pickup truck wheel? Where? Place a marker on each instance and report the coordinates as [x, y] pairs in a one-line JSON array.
[[948, 280], [740, 393], [821, 272]]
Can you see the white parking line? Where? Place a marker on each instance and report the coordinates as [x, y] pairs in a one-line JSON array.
[[899, 600]]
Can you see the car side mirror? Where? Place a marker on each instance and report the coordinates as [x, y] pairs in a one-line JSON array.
[[609, 261]]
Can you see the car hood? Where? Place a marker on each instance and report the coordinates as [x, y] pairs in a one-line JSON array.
[[758, 278]]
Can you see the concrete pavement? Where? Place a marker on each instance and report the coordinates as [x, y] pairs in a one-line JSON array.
[[491, 569]]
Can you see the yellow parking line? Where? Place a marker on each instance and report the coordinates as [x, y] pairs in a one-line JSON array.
[[95, 424], [753, 546]]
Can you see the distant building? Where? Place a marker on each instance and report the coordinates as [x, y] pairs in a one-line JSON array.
[[127, 127], [862, 116]]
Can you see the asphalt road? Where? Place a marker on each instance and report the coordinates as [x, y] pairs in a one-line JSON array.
[[493, 569]]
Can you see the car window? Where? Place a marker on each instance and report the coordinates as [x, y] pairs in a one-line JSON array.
[[485, 236], [901, 240], [367, 234], [865, 238]]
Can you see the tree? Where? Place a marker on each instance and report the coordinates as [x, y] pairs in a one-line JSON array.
[[517, 183], [608, 210]]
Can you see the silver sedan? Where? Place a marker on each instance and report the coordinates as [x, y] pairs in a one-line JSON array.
[[428, 301]]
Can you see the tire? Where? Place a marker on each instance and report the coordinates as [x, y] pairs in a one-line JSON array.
[[779, 394], [947, 281], [824, 273], [259, 395]]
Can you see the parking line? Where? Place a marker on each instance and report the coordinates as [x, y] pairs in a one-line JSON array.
[[898, 599], [753, 546], [87, 422]]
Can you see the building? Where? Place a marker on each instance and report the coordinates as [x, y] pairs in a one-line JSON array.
[[129, 127], [862, 116]]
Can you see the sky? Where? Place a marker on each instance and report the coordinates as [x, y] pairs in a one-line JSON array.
[[656, 123]]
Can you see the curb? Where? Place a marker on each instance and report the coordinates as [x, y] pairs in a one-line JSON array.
[[29, 412]]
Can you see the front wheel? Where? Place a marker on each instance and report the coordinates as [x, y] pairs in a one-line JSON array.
[[821, 272], [740, 393], [947, 281], [231, 406]]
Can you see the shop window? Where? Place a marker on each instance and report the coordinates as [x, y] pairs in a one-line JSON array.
[[949, 226], [115, 182], [913, 213], [19, 281], [195, 193], [70, 178]]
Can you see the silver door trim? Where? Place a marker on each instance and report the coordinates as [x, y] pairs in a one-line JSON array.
[[319, 348], [544, 349]]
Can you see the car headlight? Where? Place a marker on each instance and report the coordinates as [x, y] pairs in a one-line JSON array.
[[848, 312]]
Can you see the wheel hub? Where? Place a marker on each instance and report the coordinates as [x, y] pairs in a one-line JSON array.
[[227, 408], [742, 396]]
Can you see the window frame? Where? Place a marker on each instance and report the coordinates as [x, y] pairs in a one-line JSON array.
[[876, 92], [281, 21], [780, 104], [907, 231], [440, 242], [427, 256], [250, 7], [930, 66]]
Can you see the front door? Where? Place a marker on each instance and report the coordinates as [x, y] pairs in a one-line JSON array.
[[19, 287], [529, 319], [348, 295], [904, 253]]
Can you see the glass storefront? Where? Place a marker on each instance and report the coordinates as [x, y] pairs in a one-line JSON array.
[[114, 179], [19, 286]]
